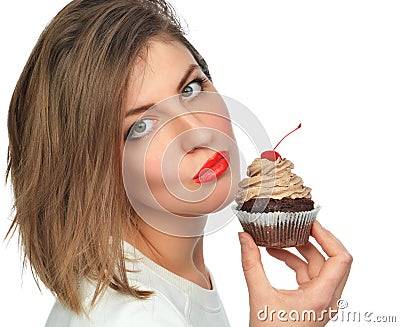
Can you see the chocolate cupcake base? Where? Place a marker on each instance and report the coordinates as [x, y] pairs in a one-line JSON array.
[[278, 229], [273, 205]]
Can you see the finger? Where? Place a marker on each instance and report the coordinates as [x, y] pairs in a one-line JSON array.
[[339, 289], [338, 292], [333, 274], [293, 262], [314, 258], [257, 281], [329, 243]]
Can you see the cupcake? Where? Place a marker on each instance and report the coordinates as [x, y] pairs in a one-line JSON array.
[[273, 204]]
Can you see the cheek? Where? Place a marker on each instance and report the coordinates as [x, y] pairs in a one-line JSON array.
[[153, 161], [218, 119], [142, 167], [225, 126], [162, 166]]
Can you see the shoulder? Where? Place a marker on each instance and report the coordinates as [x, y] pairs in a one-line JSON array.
[[117, 310]]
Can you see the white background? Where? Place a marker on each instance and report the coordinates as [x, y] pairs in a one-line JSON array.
[[334, 66]]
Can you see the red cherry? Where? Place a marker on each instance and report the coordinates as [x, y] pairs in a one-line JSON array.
[[272, 155]]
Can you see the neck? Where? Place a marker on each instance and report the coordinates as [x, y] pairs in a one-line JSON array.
[[181, 255]]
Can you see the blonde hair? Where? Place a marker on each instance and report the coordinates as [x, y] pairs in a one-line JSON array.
[[65, 143]]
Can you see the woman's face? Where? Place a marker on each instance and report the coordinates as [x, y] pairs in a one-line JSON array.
[[175, 124]]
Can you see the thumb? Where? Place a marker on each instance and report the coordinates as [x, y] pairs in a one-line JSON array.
[[253, 268]]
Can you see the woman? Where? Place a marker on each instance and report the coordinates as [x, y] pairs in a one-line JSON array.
[[100, 168]]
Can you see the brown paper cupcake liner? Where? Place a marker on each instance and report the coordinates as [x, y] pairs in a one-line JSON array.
[[278, 229]]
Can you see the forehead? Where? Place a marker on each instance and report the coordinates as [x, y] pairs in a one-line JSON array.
[[157, 73]]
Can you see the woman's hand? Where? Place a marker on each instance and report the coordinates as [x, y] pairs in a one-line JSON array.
[[321, 282]]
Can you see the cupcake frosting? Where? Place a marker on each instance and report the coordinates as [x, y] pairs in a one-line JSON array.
[[271, 179]]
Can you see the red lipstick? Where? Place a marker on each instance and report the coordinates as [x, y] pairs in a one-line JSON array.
[[213, 167]]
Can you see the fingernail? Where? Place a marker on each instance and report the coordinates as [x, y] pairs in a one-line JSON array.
[[244, 242]]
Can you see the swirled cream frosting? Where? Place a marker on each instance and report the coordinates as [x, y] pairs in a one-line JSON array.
[[271, 179]]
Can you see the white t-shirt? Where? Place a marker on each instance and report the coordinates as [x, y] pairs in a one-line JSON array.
[[176, 301]]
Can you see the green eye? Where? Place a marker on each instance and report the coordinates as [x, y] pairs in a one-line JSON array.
[[140, 128], [187, 91], [191, 89]]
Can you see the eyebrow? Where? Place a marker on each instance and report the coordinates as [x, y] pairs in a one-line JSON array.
[[182, 82]]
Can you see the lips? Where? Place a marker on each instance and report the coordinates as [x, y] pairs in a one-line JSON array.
[[213, 167]]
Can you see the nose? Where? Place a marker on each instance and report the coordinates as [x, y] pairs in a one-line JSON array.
[[194, 132]]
